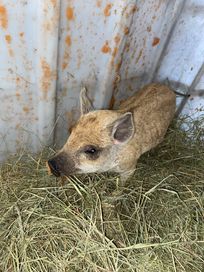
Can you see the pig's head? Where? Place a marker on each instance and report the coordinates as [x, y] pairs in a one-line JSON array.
[[95, 142]]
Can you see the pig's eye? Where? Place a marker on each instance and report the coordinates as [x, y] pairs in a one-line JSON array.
[[92, 151]]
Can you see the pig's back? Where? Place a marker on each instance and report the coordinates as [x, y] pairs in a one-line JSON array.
[[153, 108]]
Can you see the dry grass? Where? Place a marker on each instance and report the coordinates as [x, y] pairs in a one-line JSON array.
[[155, 225]]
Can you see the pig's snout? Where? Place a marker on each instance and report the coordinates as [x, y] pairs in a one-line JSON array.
[[54, 168], [61, 165]]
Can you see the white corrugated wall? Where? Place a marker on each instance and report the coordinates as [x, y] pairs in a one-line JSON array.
[[50, 49]]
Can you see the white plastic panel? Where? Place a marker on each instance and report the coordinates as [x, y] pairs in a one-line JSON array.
[[50, 49]]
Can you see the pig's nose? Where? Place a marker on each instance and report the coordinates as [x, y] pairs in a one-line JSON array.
[[54, 167]]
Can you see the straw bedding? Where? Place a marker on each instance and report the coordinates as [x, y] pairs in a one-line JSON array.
[[90, 223]]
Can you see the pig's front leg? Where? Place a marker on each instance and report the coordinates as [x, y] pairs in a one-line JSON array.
[[125, 176], [122, 183], [127, 166]]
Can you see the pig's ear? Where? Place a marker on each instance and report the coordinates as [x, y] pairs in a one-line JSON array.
[[85, 103], [123, 128]]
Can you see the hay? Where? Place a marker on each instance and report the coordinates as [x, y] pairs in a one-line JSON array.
[[156, 224]]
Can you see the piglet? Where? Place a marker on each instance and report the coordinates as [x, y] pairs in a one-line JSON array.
[[113, 140]]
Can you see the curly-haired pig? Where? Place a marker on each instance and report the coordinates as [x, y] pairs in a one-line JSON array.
[[113, 140]]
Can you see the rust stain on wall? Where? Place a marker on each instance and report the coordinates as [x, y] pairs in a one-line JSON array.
[[112, 102], [46, 77], [64, 65], [8, 38], [21, 34], [26, 109], [70, 13], [126, 30], [3, 17], [127, 47], [134, 9], [17, 80], [149, 28], [139, 56], [68, 40], [115, 51], [66, 59], [106, 48], [155, 41], [53, 2], [118, 65], [18, 95], [107, 10], [117, 39], [98, 3]]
